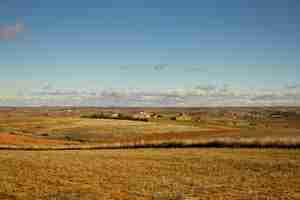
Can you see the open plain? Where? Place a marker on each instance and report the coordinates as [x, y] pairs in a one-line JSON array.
[[69, 154]]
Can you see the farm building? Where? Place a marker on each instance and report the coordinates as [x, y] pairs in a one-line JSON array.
[[183, 117], [142, 115]]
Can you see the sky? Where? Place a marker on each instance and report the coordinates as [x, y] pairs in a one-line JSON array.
[[150, 53]]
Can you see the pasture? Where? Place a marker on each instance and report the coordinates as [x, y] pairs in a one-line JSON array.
[[159, 174]]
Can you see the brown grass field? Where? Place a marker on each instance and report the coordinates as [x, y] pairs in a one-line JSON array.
[[212, 156], [58, 126], [159, 174]]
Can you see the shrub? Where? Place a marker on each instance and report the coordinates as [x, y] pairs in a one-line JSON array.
[[110, 116], [172, 118]]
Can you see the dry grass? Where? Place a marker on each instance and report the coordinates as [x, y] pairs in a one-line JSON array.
[[252, 163], [33, 130], [268, 142], [151, 174], [90, 130], [56, 124]]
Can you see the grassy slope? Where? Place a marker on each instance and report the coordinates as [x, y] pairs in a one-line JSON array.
[[45, 131], [27, 127], [151, 174]]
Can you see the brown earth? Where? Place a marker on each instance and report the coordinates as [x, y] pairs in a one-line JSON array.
[[9, 139]]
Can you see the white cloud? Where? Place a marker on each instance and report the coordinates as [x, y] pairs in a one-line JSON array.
[[196, 96]]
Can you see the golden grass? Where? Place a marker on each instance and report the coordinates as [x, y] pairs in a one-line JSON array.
[[56, 126], [151, 174], [108, 133], [65, 125]]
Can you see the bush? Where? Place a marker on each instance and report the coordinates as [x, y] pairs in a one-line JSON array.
[[172, 118], [109, 116]]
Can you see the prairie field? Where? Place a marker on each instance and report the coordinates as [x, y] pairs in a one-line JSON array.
[[62, 126], [159, 174], [184, 154]]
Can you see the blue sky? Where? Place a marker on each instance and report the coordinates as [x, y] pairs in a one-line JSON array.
[[149, 52]]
